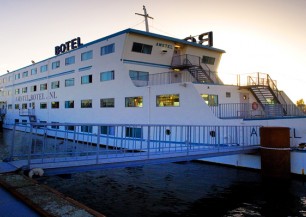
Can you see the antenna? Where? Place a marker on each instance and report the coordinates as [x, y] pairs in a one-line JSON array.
[[146, 18]]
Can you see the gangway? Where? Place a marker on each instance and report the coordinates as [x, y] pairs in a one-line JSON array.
[[69, 148]]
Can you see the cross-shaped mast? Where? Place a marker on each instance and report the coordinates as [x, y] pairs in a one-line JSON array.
[[146, 17]]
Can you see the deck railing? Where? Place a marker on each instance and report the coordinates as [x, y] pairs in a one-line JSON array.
[[46, 142], [247, 111]]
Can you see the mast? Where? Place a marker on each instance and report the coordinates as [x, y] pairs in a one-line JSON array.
[[146, 18]]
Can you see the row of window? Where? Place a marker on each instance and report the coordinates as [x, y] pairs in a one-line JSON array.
[[169, 100], [86, 79], [68, 61]]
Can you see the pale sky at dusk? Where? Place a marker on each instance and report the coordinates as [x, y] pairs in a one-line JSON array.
[[266, 36]]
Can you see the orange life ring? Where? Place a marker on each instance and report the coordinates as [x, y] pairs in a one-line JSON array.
[[254, 105]]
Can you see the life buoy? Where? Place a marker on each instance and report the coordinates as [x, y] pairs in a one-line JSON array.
[[254, 105]]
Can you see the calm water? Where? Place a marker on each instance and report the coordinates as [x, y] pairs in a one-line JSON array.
[[179, 189]]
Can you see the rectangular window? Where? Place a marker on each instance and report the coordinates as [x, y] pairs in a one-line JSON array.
[[55, 126], [16, 120], [70, 128], [24, 106], [86, 103], [9, 106], [24, 122], [24, 90], [134, 132], [56, 64], [86, 129], [107, 103], [43, 105], [17, 76], [55, 105], [108, 130], [44, 68], [138, 75], [86, 79], [44, 86], [107, 49], [70, 60], [133, 101], [142, 48], [34, 71], [86, 55], [69, 104], [69, 82], [168, 100], [17, 91], [33, 88], [208, 60], [107, 76], [25, 74], [16, 106], [55, 84], [228, 94], [210, 99]]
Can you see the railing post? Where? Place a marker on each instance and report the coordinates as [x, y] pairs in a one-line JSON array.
[[148, 141], [188, 140], [98, 144], [30, 146]]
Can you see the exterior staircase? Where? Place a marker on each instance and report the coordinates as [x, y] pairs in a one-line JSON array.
[[265, 91], [200, 74]]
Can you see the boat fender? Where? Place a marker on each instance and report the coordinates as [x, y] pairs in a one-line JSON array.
[[254, 105], [36, 172]]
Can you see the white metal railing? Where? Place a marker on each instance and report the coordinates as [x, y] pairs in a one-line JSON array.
[[50, 142]]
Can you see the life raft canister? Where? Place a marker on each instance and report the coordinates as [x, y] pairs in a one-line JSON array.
[[254, 105]]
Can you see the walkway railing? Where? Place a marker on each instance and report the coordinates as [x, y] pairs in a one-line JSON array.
[[247, 111], [50, 143]]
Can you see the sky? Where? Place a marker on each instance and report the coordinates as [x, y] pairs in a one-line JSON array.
[[267, 36]]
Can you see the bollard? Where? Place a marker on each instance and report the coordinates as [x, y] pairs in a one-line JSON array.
[[275, 152]]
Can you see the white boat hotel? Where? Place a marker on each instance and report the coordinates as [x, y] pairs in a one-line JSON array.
[[137, 77]]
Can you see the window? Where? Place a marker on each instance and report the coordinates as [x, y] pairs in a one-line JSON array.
[[9, 106], [228, 94], [70, 60], [16, 120], [24, 122], [17, 76], [133, 132], [43, 105], [208, 60], [86, 129], [107, 103], [168, 100], [34, 71], [24, 106], [69, 82], [25, 74], [55, 105], [17, 91], [133, 101], [55, 126], [210, 99], [71, 128], [33, 88], [108, 130], [107, 76], [56, 64], [44, 68], [86, 79], [107, 49], [86, 55], [16, 106], [142, 48], [138, 75], [44, 86], [69, 104], [86, 103], [24, 90], [55, 84]]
